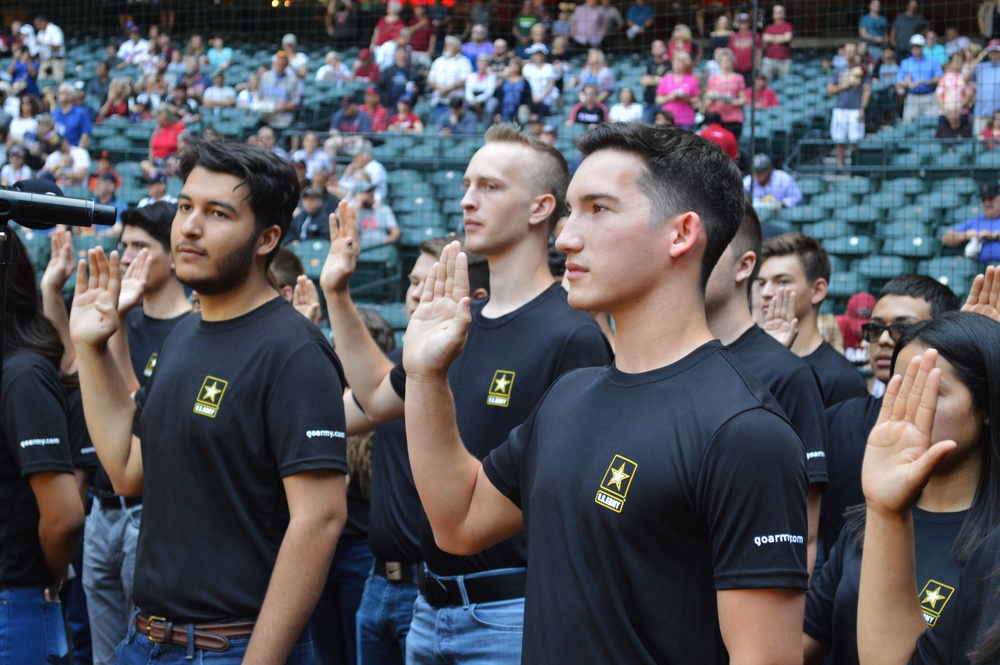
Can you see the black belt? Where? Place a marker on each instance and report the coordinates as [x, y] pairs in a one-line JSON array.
[[448, 592], [399, 571], [115, 502]]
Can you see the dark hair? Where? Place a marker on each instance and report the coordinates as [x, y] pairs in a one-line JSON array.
[[272, 188], [683, 173], [940, 297], [286, 268], [712, 118], [155, 219], [971, 344], [749, 238], [379, 329], [815, 261], [479, 265]]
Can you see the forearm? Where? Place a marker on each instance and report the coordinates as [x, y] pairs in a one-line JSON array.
[[889, 615], [954, 238], [118, 346], [54, 309], [813, 502], [60, 523]]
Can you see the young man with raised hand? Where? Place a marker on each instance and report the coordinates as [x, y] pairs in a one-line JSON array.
[[241, 470], [667, 475]]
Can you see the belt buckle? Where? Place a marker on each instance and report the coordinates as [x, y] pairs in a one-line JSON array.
[[393, 571], [149, 629]]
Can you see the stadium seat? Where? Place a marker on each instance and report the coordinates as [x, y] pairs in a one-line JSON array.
[[803, 214], [921, 246], [882, 267], [811, 186], [313, 254], [885, 200], [859, 185], [903, 228], [835, 200], [845, 284], [908, 186], [849, 246], [956, 272], [824, 231]]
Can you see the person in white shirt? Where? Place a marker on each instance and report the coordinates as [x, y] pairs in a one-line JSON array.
[[334, 69], [541, 77], [69, 165], [627, 109], [15, 169], [135, 50], [218, 95], [51, 51], [311, 155], [447, 76], [298, 62], [385, 55]]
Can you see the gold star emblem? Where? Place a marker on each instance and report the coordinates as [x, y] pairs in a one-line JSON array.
[[617, 476], [502, 383], [933, 596], [211, 391]]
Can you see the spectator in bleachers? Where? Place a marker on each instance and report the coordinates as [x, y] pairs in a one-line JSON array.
[[541, 77], [990, 136], [333, 69], [165, 47], [500, 58], [589, 110], [400, 79], [376, 221], [15, 169], [219, 56], [777, 63], [442, 20], [26, 121], [726, 93], [639, 20], [858, 313], [458, 120], [72, 119], [887, 68], [41, 141], [185, 107], [772, 188], [388, 26], [954, 41], [364, 167], [588, 25], [49, 99], [980, 234], [195, 48], [986, 76], [324, 181], [447, 76], [851, 86], [907, 25], [477, 44], [97, 87], [176, 67], [163, 141], [536, 35], [248, 94], [480, 13], [192, 77], [653, 72], [513, 92], [279, 94], [627, 109], [310, 223], [140, 111], [385, 54], [596, 72], [349, 119], [104, 165], [713, 130], [954, 95], [156, 189], [219, 95], [522, 23], [373, 108], [311, 155], [69, 165], [563, 25], [682, 41], [678, 91], [874, 27], [135, 50], [268, 140], [934, 50], [719, 37], [341, 22], [23, 70], [480, 90], [422, 38], [405, 120], [365, 68], [952, 126], [917, 77], [745, 49], [614, 25], [663, 118], [105, 193], [762, 96], [559, 56]]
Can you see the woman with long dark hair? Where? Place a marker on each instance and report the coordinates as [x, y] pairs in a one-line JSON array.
[[41, 513]]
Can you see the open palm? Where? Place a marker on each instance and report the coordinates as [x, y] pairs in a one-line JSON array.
[[94, 316], [984, 296], [344, 250]]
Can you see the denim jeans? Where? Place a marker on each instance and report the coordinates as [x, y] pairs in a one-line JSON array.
[[384, 620], [136, 649], [108, 568], [333, 621], [31, 628], [483, 633]]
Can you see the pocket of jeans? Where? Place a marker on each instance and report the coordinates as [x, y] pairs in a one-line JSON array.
[[56, 647], [503, 615]]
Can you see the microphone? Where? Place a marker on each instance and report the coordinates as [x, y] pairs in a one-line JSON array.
[[39, 204]]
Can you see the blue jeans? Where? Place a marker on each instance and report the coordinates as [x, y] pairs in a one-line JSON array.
[[136, 649], [108, 568], [384, 620], [31, 628], [483, 633], [333, 622]]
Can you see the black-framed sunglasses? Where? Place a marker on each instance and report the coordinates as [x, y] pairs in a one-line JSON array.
[[872, 331]]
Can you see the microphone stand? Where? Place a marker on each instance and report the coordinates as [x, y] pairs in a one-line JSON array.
[[5, 258]]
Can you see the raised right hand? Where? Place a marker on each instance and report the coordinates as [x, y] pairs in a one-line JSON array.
[[61, 264], [984, 296], [344, 250], [94, 316], [779, 320]]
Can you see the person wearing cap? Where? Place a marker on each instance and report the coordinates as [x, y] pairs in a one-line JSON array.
[[874, 27], [772, 188], [311, 222], [133, 51], [400, 79], [105, 193], [447, 76], [858, 313], [15, 169], [364, 67], [349, 119], [905, 26], [777, 63], [364, 168], [156, 189], [851, 86], [542, 77], [980, 234], [218, 95], [549, 135], [378, 114], [280, 92], [918, 75], [298, 62], [986, 76], [376, 220], [745, 49], [405, 120]]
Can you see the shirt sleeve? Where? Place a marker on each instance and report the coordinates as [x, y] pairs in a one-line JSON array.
[[503, 465], [34, 419]]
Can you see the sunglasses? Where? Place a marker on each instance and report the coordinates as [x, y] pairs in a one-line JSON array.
[[871, 332]]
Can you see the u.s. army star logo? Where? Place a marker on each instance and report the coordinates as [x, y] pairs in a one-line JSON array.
[[210, 396], [150, 365], [614, 486], [933, 597], [503, 383]]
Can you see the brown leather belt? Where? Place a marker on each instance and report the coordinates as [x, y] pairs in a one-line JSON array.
[[207, 636]]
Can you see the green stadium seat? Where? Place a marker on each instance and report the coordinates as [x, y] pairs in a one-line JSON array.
[[908, 186], [823, 231], [834, 200], [39, 247], [859, 214], [811, 186], [903, 228], [849, 246], [961, 186], [859, 185], [923, 246], [803, 214], [415, 204], [882, 267], [403, 176], [941, 200], [955, 272], [445, 177], [885, 200], [963, 213], [845, 284], [915, 213], [313, 254], [77, 192], [908, 160], [412, 237]]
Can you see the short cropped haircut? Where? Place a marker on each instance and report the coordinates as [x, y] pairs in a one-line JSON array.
[[684, 173], [287, 267], [548, 169], [814, 259], [272, 188], [479, 266], [155, 219], [940, 297]]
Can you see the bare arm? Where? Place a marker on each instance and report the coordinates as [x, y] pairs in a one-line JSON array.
[[132, 288], [955, 238], [366, 367], [357, 421], [814, 500], [813, 651], [317, 512], [762, 626], [106, 402], [467, 513], [57, 272], [60, 523]]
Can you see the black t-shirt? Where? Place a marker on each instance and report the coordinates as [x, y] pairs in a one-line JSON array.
[[796, 388], [396, 512], [832, 602], [849, 424], [33, 439], [233, 407], [961, 630], [84, 454], [507, 365], [657, 69], [589, 115], [838, 378], [644, 494]]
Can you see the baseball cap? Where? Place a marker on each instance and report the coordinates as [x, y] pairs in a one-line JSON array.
[[312, 192], [347, 99], [743, 17], [364, 54], [365, 187], [142, 98], [994, 45], [154, 177], [537, 48], [132, 27], [110, 177], [859, 307], [761, 162], [371, 90], [289, 39], [16, 151], [989, 190], [549, 129], [406, 99], [917, 40]]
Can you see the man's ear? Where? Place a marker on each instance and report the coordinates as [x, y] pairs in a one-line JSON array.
[[745, 266], [268, 240], [685, 234], [819, 290], [542, 208], [479, 293]]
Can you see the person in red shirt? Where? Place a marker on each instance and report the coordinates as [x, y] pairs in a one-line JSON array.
[[991, 133], [859, 312], [713, 130], [388, 27], [405, 119], [379, 114], [364, 68], [778, 38], [763, 97], [422, 37], [742, 45]]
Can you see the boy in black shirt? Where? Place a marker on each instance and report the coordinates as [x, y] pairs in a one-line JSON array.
[[234, 443], [799, 263], [787, 376], [669, 476]]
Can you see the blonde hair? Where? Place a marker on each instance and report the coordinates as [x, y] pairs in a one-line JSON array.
[[682, 31]]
